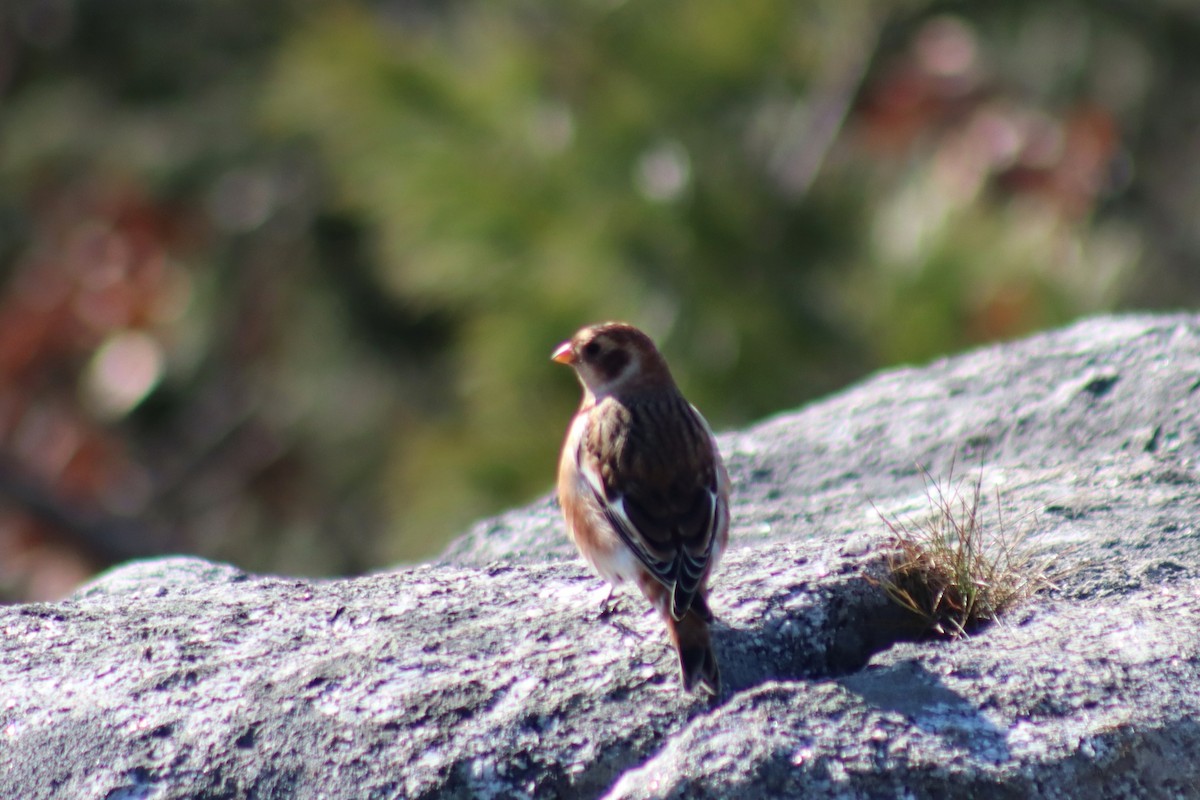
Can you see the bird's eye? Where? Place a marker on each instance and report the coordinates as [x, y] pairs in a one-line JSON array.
[[591, 350]]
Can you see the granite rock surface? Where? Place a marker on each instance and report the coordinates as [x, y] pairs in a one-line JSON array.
[[490, 673]]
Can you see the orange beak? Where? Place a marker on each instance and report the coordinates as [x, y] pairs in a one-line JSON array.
[[563, 354]]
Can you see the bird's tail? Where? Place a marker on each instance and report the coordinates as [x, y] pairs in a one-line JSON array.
[[697, 662]]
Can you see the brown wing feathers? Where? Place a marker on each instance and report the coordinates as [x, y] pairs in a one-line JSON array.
[[669, 508]]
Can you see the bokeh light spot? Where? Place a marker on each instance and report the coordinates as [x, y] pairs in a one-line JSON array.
[[663, 172], [122, 372]]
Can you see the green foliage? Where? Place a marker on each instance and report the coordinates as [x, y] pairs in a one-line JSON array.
[[375, 220], [531, 168]]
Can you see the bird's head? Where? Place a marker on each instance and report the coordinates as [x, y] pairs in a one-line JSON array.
[[614, 357]]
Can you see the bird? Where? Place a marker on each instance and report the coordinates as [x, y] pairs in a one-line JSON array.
[[642, 487]]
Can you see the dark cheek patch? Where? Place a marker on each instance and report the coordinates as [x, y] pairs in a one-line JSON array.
[[612, 362]]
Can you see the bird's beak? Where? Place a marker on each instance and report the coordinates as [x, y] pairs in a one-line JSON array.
[[563, 354]]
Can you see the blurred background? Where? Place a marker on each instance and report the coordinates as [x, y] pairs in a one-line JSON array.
[[279, 280]]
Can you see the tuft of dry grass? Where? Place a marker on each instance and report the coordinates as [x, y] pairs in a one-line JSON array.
[[952, 571]]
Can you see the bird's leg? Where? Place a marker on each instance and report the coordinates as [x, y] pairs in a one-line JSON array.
[[608, 610], [607, 607]]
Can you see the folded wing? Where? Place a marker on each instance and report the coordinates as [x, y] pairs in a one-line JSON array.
[[665, 510]]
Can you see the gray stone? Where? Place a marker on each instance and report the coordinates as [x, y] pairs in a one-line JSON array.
[[491, 673]]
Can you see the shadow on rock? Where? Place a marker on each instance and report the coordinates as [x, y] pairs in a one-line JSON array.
[[909, 689]]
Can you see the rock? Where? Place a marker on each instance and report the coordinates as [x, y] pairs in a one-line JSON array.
[[1087, 700], [491, 674]]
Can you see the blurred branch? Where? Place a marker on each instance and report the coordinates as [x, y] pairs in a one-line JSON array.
[[106, 539], [817, 120]]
